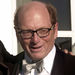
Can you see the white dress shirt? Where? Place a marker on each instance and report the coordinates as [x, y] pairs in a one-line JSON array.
[[47, 64]]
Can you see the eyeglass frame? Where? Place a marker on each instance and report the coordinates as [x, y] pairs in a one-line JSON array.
[[19, 31]]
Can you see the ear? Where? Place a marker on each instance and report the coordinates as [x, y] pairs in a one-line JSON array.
[[56, 30]]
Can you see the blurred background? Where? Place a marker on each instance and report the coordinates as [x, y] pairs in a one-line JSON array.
[[66, 20]]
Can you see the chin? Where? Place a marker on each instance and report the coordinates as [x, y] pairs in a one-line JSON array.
[[37, 56]]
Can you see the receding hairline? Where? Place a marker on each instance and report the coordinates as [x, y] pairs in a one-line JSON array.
[[22, 9], [25, 7], [29, 5]]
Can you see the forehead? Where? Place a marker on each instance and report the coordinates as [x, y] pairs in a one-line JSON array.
[[34, 13], [32, 5]]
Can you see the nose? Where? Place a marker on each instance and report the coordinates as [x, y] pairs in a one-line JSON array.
[[35, 39]]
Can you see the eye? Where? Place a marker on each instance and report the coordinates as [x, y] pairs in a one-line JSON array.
[[26, 33], [42, 31]]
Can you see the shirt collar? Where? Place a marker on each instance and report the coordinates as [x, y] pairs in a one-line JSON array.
[[49, 59]]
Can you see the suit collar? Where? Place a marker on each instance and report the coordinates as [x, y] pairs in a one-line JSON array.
[[58, 67]]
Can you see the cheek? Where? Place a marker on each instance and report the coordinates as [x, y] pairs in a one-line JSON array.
[[49, 41], [24, 43], [50, 38]]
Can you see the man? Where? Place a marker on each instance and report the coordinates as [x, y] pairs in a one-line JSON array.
[[36, 28]]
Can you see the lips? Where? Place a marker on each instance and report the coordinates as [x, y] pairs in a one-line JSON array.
[[36, 49]]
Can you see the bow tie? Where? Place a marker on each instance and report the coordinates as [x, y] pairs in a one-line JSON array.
[[38, 66]]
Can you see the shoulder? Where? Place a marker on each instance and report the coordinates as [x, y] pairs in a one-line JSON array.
[[70, 64], [5, 56], [68, 61], [67, 57], [19, 57]]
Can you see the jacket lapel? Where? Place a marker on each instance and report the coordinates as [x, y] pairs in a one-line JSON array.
[[58, 67], [18, 65]]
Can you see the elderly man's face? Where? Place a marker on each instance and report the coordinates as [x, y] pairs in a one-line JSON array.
[[32, 19]]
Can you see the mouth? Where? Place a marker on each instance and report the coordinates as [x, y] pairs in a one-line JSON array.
[[36, 49]]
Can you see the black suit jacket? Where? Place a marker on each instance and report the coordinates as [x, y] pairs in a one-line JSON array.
[[64, 64], [7, 61]]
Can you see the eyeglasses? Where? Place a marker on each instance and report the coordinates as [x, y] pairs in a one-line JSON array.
[[28, 34]]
